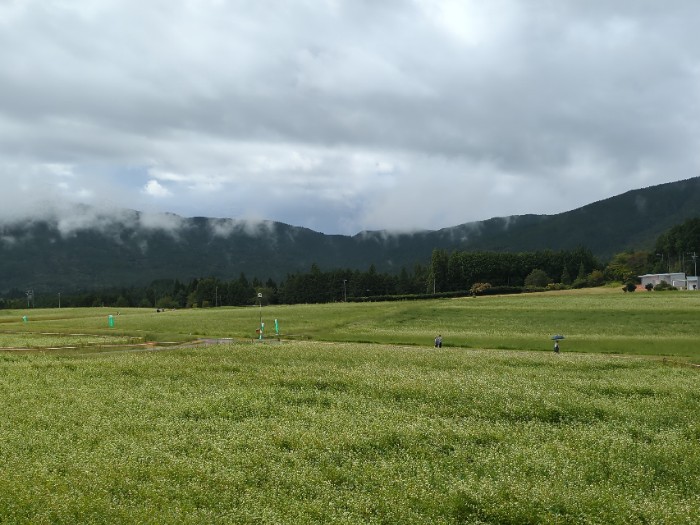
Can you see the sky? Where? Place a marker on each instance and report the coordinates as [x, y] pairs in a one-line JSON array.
[[344, 115]]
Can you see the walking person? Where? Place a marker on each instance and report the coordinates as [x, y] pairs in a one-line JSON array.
[[438, 341]]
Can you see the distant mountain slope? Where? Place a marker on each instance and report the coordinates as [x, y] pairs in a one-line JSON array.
[[89, 248], [632, 220]]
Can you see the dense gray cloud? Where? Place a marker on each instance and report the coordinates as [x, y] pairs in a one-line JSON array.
[[344, 115]]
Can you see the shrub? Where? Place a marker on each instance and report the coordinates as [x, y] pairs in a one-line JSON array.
[[166, 302], [663, 286], [479, 288], [501, 290], [537, 279], [596, 278], [580, 283], [122, 302]]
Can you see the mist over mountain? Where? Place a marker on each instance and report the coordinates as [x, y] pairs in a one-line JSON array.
[[83, 248]]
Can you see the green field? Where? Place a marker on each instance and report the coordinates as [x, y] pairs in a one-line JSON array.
[[597, 321], [351, 416]]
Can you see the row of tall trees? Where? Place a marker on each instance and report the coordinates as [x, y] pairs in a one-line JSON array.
[[162, 293], [677, 249], [460, 270], [339, 285], [447, 272]]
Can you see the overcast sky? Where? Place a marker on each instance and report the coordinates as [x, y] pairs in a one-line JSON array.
[[345, 115]]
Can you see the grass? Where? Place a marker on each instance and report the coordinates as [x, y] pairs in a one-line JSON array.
[[51, 341], [346, 433], [321, 427], [598, 321]]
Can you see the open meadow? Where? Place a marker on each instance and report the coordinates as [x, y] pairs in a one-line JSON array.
[[598, 321], [351, 416]]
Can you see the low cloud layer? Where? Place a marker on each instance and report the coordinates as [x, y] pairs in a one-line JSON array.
[[343, 115]]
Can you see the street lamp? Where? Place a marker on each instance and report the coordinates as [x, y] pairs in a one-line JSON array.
[[261, 325]]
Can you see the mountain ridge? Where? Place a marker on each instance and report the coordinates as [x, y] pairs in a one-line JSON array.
[[94, 248]]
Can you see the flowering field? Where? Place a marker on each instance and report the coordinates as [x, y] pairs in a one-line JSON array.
[[311, 432], [58, 341], [593, 321]]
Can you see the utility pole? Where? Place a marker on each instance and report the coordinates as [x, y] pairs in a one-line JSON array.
[[694, 256], [345, 290]]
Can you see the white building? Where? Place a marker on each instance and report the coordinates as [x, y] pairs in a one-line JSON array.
[[677, 279]]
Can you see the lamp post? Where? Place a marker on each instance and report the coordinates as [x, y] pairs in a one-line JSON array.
[[345, 290], [261, 323], [59, 299]]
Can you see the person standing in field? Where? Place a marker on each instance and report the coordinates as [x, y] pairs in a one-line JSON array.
[[438, 341], [556, 347]]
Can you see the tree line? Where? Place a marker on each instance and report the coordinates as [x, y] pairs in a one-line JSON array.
[[447, 273]]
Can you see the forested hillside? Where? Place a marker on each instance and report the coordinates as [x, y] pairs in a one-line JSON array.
[[104, 249]]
